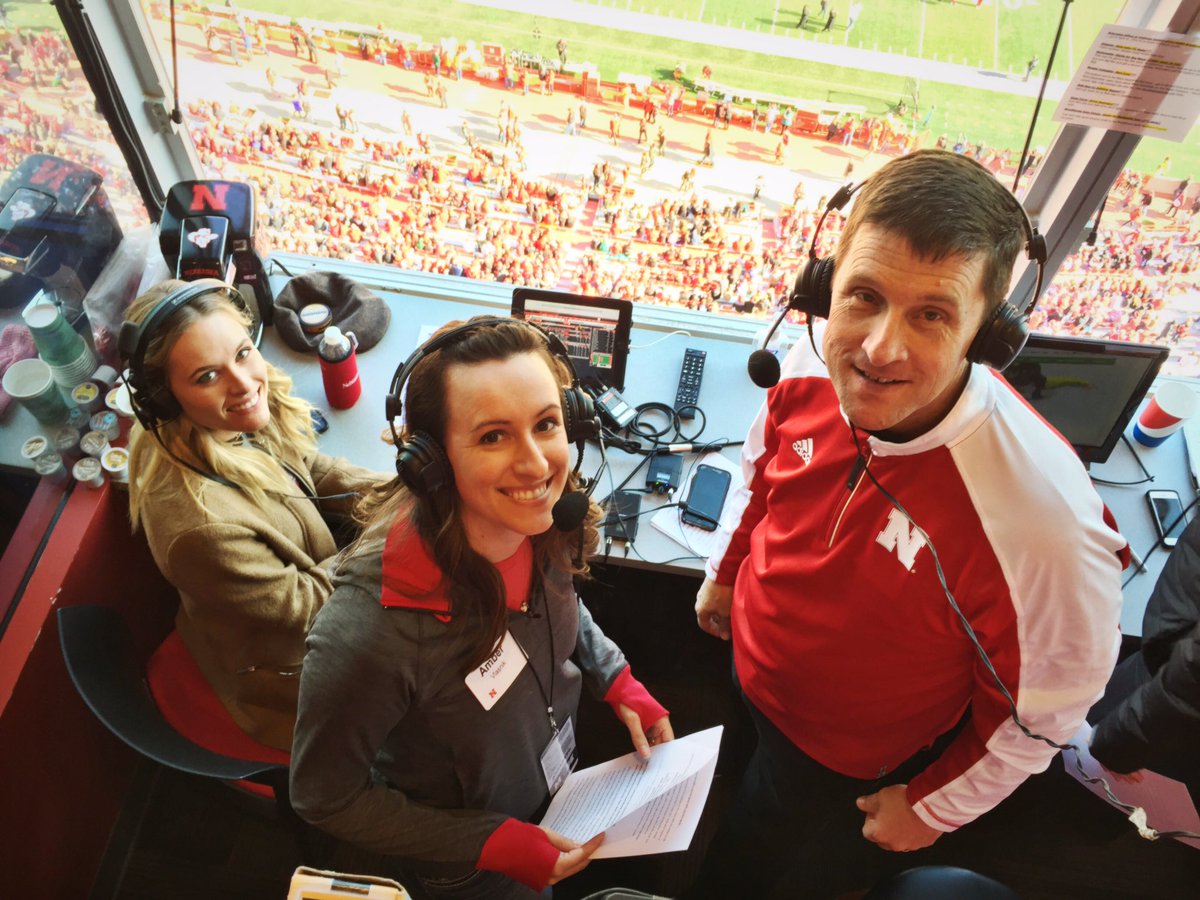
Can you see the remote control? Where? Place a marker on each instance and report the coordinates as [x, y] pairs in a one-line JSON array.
[[689, 382]]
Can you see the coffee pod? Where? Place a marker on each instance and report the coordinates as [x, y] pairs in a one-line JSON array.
[[94, 443], [106, 423], [116, 463], [86, 396], [35, 448], [66, 442], [51, 468], [117, 399], [88, 471], [315, 318], [104, 377], [78, 419]]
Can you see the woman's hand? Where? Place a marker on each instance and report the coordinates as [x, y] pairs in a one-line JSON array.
[[658, 733], [573, 857]]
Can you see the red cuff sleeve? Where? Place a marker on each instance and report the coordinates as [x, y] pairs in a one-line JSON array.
[[628, 690], [521, 851]]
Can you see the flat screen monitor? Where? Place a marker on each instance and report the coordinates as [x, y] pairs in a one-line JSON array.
[[595, 331], [1087, 389]]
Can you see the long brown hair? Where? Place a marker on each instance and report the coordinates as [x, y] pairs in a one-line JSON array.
[[471, 583], [185, 443]]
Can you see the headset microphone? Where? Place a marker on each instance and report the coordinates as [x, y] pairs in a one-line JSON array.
[[996, 343], [810, 295], [570, 510], [763, 365]]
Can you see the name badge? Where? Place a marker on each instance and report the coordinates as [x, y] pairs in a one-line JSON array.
[[495, 675], [560, 757]]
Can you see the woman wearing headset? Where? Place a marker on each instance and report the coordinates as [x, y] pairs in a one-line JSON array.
[[443, 675], [226, 482]]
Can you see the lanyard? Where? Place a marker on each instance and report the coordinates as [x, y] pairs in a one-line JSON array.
[[547, 698]]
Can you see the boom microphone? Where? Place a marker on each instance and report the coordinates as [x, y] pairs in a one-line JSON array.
[[570, 510], [763, 367]]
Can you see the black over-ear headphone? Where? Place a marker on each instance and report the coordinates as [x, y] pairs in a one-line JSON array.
[[996, 343], [151, 397], [421, 461]]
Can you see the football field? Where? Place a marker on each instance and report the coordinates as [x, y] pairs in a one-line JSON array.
[[997, 38]]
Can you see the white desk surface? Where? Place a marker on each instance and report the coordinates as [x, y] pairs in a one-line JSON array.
[[727, 396]]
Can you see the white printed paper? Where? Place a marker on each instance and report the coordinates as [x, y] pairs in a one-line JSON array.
[[1167, 803], [1136, 81], [643, 807]]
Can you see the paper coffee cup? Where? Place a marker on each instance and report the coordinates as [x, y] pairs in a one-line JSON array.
[[32, 384], [1172, 404]]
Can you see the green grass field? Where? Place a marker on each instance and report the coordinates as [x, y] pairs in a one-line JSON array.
[[1004, 32], [1000, 36]]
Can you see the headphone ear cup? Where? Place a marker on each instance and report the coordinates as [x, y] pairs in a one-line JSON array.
[[423, 466], [154, 406], [579, 413], [814, 289], [1000, 338]]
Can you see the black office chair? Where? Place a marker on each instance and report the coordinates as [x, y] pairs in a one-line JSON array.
[[103, 664], [940, 883]]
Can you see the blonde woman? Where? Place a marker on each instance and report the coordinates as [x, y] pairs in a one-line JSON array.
[[228, 486]]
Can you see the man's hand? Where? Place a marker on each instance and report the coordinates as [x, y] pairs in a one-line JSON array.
[[658, 733], [713, 602], [891, 822], [573, 857]]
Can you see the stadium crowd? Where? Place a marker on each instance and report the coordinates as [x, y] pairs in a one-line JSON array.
[[468, 205]]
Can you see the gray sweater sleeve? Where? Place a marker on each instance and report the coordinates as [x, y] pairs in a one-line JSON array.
[[598, 658], [359, 679]]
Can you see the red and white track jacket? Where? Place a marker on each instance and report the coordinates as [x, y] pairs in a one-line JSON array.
[[842, 633]]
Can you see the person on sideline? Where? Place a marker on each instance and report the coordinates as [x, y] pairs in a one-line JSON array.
[[439, 693], [231, 492], [896, 475]]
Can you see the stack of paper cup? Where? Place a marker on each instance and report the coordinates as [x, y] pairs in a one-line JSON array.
[[32, 383], [65, 352]]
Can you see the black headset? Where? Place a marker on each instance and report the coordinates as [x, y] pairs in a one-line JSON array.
[[421, 461], [151, 398], [996, 344]]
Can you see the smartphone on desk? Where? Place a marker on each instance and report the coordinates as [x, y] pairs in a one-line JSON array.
[[706, 497], [1167, 511]]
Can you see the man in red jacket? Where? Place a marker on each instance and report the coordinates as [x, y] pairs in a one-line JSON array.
[[895, 492]]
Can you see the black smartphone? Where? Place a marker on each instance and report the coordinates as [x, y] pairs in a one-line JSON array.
[[706, 497], [1167, 511], [621, 523]]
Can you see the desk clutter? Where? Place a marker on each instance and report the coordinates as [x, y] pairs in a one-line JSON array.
[[80, 410]]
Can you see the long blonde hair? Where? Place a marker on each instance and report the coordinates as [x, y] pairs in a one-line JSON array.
[[181, 447]]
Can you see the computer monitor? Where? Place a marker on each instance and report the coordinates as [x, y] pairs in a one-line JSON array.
[[595, 330], [1087, 389]]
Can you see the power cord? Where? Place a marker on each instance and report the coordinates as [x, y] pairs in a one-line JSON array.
[[1167, 529], [1038, 105], [1141, 465]]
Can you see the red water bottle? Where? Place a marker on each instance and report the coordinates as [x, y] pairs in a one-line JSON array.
[[339, 367]]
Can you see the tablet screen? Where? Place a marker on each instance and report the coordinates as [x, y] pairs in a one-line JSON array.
[[595, 330]]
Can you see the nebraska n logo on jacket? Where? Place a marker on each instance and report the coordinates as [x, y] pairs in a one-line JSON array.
[[899, 537]]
